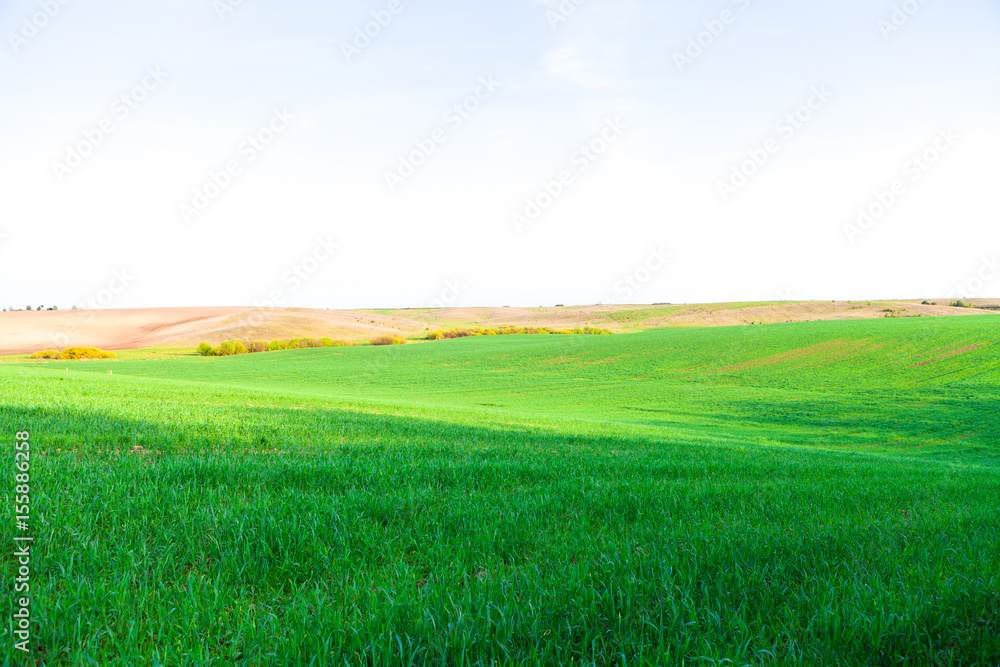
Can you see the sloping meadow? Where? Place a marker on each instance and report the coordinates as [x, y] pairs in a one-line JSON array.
[[790, 494]]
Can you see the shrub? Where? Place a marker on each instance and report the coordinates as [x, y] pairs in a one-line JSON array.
[[294, 344], [959, 304], [46, 354], [74, 353], [388, 340], [234, 347], [459, 333], [298, 344]]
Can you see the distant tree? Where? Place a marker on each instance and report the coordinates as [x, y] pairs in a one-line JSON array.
[[29, 308]]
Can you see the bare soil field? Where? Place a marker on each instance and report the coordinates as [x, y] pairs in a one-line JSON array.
[[23, 332]]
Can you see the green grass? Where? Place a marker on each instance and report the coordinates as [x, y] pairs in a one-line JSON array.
[[809, 494]]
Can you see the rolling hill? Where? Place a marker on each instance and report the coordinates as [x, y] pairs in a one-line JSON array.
[[23, 332], [810, 493]]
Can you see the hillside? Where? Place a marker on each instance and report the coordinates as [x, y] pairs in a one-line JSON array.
[[810, 493], [24, 332], [844, 383], [683, 315]]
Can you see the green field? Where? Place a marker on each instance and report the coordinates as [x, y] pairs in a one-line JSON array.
[[821, 493]]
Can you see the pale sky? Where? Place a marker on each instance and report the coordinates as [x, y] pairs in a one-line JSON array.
[[524, 153]]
